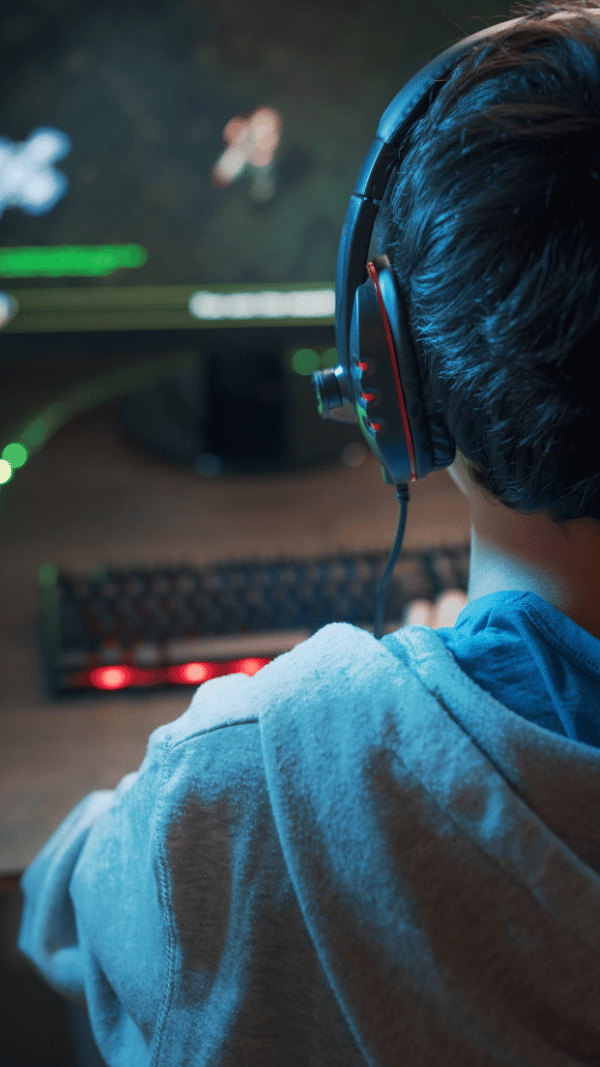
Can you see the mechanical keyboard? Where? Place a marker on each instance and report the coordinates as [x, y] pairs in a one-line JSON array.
[[113, 629]]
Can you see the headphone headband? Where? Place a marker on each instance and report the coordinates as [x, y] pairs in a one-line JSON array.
[[402, 113]]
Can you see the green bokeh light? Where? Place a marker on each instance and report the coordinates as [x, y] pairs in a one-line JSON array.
[[15, 454], [305, 361]]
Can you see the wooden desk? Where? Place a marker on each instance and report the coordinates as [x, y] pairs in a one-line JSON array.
[[91, 497]]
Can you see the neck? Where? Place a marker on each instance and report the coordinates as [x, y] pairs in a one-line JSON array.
[[531, 553]]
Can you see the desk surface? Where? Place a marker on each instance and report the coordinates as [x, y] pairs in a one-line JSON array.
[[91, 497]]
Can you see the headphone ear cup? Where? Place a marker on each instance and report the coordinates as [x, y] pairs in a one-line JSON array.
[[377, 388], [434, 447]]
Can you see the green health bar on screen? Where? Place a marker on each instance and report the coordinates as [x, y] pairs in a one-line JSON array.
[[167, 307], [67, 261]]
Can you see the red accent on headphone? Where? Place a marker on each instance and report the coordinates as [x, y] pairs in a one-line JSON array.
[[392, 352]]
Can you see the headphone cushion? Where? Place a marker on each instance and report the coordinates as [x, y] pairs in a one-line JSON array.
[[434, 448], [443, 444]]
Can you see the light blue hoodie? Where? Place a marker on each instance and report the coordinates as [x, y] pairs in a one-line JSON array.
[[358, 856]]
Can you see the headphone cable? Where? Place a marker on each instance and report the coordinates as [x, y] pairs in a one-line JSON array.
[[402, 498]]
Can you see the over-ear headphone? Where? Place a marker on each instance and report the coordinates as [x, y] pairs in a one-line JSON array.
[[377, 374]]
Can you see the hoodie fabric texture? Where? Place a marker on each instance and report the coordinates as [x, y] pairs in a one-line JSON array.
[[358, 856]]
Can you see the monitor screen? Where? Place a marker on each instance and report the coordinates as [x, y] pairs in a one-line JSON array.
[[161, 143], [174, 176], [149, 145]]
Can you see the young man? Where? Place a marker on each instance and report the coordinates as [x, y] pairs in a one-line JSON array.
[[388, 852]]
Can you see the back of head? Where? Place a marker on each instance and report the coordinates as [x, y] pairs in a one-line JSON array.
[[493, 230]]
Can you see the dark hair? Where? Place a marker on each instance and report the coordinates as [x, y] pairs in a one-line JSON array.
[[493, 230]]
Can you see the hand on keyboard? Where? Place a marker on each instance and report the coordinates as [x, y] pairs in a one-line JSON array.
[[441, 612]]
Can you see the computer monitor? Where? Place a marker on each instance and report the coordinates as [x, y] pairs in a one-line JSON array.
[[174, 176]]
